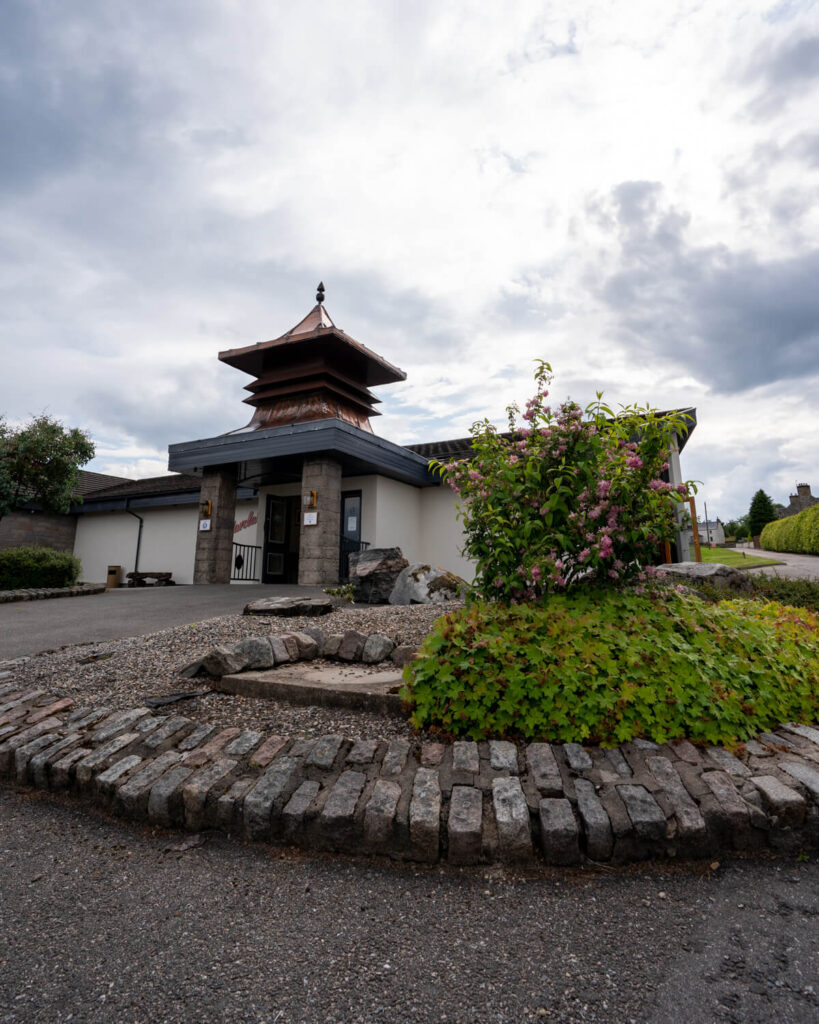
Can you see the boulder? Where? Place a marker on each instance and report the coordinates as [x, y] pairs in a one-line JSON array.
[[222, 661], [352, 645], [377, 648], [404, 654], [318, 634], [308, 647], [290, 606], [722, 577], [373, 573], [257, 651], [420, 583]]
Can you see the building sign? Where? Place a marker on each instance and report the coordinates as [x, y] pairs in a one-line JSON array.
[[311, 518], [204, 524], [245, 524]]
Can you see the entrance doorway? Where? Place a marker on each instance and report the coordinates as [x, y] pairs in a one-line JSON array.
[[350, 532], [280, 558]]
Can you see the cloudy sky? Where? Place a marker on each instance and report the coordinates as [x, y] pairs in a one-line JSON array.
[[628, 190]]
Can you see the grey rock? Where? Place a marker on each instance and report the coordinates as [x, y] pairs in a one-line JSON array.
[[332, 643], [558, 831], [166, 733], [788, 805], [577, 757], [308, 646], [373, 573], [543, 769], [465, 757], [132, 796], [290, 606], [727, 762], [720, 576], [106, 781], [165, 799], [318, 634], [690, 823], [85, 768], [281, 654], [379, 814], [464, 825], [421, 583], [503, 756], [338, 814], [596, 824], [266, 793], [291, 645], [363, 752], [256, 651], [425, 814], [223, 661], [376, 648], [644, 812], [351, 646], [395, 757], [512, 819], [244, 743], [325, 752], [196, 790], [404, 654], [804, 773], [297, 807]]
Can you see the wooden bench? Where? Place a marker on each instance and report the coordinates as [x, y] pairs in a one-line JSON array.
[[140, 579]]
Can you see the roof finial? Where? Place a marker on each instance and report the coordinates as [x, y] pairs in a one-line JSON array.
[[320, 293]]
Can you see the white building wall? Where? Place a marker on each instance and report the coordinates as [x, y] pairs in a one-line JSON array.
[[442, 532], [110, 538]]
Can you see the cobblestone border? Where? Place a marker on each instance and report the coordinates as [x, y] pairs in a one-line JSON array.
[[45, 593], [466, 803]]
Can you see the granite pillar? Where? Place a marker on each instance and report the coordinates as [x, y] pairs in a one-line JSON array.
[[319, 544], [214, 547]]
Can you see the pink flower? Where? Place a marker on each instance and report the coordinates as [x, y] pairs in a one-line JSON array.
[[603, 488], [584, 554], [606, 547], [513, 459], [635, 462], [535, 573]]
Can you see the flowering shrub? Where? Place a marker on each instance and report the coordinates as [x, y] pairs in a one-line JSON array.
[[609, 666], [569, 496]]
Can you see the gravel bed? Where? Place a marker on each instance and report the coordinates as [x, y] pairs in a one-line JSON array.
[[148, 666]]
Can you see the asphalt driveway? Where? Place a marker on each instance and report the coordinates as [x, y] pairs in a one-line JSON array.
[[29, 627]]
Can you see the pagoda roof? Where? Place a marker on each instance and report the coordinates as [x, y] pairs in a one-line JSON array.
[[315, 334]]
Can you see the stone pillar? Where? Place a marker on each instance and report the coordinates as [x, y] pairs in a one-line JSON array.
[[214, 547], [319, 544]]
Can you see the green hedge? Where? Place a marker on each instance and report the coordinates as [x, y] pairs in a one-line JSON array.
[[21, 568], [799, 533], [606, 667]]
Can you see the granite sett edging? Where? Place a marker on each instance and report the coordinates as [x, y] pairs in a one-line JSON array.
[[46, 593], [462, 802]]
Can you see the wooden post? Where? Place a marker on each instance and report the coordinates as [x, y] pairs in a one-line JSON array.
[[695, 533]]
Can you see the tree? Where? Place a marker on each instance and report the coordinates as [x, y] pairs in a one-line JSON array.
[[39, 463], [762, 511]]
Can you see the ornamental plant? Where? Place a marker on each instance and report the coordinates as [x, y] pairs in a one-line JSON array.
[[568, 497]]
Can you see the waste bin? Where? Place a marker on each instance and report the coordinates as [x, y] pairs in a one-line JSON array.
[[114, 577]]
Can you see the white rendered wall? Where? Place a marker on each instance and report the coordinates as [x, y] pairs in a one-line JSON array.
[[442, 535], [110, 538]]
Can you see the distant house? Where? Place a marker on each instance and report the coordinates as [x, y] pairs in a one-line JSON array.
[[709, 531], [798, 502], [29, 526], [287, 497]]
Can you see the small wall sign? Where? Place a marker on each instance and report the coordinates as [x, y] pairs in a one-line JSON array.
[[311, 518], [204, 524]]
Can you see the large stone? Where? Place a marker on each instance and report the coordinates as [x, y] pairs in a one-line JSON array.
[[352, 645], [512, 819], [377, 648], [222, 661], [421, 583], [257, 651], [373, 573], [290, 606], [719, 576], [558, 831]]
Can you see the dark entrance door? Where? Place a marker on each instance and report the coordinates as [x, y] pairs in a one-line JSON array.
[[350, 532], [280, 562]]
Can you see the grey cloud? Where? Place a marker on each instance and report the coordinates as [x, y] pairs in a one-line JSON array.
[[744, 322], [782, 73]]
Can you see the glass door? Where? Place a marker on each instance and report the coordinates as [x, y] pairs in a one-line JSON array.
[[350, 533]]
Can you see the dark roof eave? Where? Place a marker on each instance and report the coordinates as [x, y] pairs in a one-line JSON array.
[[332, 436], [135, 502]]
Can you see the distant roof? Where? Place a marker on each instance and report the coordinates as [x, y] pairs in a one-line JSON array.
[[90, 482], [461, 447], [171, 483]]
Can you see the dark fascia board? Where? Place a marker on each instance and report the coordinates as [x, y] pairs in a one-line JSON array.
[[332, 436], [151, 501]]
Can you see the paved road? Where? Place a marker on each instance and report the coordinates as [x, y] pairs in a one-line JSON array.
[[796, 567], [28, 627], [102, 924]]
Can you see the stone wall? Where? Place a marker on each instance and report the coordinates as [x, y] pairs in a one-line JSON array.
[[37, 529], [214, 547]]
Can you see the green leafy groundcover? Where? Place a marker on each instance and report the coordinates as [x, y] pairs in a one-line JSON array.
[[607, 667], [37, 567]]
